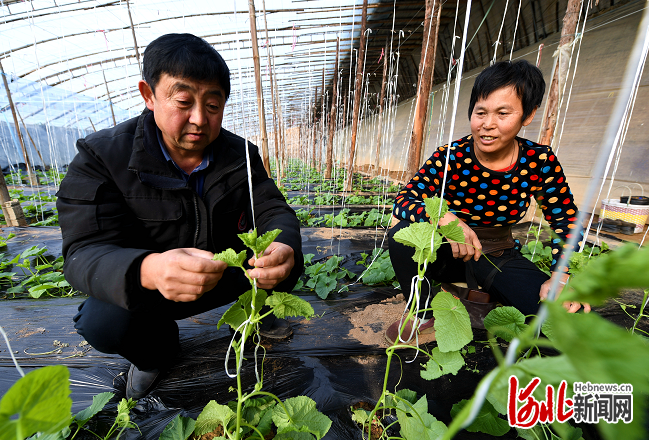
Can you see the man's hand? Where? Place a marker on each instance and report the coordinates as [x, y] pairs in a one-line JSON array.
[[471, 248], [570, 306], [273, 267], [181, 275]]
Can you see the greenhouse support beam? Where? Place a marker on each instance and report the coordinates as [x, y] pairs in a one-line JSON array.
[[323, 119], [428, 49], [381, 106], [260, 93], [357, 99], [33, 179], [559, 73], [332, 116], [93, 125], [271, 71], [137, 51]]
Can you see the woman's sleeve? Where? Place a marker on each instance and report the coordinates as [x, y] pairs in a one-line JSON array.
[[557, 203], [409, 203]]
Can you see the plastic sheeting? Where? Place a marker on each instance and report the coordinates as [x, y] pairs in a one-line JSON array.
[[320, 360]]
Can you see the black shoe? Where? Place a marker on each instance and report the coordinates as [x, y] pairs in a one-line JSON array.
[[272, 327], [140, 383]]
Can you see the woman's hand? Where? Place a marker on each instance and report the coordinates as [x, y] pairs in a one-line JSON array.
[[471, 248], [570, 306]]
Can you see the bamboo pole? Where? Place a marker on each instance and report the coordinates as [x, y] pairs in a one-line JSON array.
[[110, 101], [30, 138], [260, 93], [314, 124], [559, 74], [33, 180], [93, 125], [272, 94], [332, 117], [381, 106], [357, 99], [137, 51], [323, 120], [428, 49]]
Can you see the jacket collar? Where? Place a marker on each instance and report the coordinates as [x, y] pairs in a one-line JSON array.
[[148, 162]]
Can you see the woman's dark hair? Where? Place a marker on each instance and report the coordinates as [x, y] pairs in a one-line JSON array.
[[184, 56], [524, 77]]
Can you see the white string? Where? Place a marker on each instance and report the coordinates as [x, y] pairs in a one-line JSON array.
[[502, 23], [11, 353], [511, 53]]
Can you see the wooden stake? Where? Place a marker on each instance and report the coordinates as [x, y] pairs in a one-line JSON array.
[[137, 51], [357, 99], [278, 172], [559, 75], [33, 180], [332, 117], [260, 93], [429, 44], [381, 105]]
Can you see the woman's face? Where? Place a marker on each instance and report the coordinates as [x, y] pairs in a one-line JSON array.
[[496, 121]]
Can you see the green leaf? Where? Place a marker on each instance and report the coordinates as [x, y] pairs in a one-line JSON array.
[[285, 304], [452, 322], [411, 425], [249, 239], [293, 436], [301, 416], [452, 231], [433, 205], [180, 428], [505, 322], [241, 310], [231, 258], [442, 363], [534, 433], [266, 421], [360, 416], [602, 352], [98, 403], [408, 395], [418, 235], [40, 401], [325, 285], [487, 420], [603, 277], [213, 416], [123, 419], [265, 240]]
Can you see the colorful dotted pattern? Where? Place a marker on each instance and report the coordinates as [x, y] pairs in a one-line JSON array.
[[482, 197]]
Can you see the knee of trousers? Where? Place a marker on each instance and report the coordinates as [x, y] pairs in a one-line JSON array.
[[109, 328]]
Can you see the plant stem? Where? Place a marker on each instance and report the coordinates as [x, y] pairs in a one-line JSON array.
[[239, 397], [644, 302]]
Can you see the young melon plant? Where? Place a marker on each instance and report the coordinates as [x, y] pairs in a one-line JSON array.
[[452, 330]]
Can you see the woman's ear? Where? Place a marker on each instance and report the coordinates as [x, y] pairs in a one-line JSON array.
[[528, 120]]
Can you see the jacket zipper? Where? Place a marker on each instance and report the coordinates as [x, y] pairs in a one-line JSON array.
[[198, 220]]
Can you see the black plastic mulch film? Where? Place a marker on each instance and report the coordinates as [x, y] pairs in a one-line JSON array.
[[320, 360]]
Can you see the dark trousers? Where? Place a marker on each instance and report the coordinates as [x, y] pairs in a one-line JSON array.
[[517, 284], [148, 336]]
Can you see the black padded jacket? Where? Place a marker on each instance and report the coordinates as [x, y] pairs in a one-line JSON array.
[[120, 201]]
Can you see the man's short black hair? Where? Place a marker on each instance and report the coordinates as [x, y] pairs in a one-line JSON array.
[[184, 56], [524, 77]]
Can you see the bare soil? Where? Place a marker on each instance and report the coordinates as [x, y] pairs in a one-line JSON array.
[[371, 322]]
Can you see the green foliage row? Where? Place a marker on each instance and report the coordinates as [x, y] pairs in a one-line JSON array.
[[371, 218]]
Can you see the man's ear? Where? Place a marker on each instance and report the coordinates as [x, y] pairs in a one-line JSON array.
[[528, 120], [147, 93]]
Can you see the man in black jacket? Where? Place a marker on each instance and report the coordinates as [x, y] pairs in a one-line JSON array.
[[146, 204]]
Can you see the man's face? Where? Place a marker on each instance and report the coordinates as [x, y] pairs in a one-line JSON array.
[[188, 112]]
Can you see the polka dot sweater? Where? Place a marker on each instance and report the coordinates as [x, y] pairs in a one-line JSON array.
[[482, 197]]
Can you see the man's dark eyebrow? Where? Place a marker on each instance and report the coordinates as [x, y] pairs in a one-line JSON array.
[[180, 87], [216, 92]]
